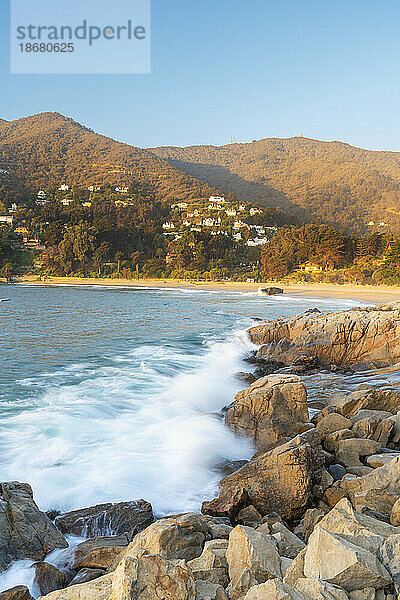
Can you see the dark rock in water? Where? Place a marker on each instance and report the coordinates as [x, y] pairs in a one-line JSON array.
[[270, 291], [227, 506], [107, 519], [19, 592], [25, 531], [52, 514], [85, 575], [98, 552], [266, 367], [317, 404], [230, 466], [337, 471], [48, 578], [245, 377]]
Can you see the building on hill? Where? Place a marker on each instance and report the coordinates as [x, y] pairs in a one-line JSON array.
[[168, 225], [239, 224], [310, 267], [216, 200], [41, 198], [7, 219], [255, 211], [258, 241], [64, 187]]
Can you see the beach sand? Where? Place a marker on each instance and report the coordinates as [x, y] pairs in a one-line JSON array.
[[375, 294]]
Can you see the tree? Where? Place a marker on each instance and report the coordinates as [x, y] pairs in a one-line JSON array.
[[118, 257], [76, 246], [100, 254], [7, 271]]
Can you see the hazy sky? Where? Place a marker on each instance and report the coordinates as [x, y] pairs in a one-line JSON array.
[[247, 69]]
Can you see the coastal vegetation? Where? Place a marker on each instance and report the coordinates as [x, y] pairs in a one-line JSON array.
[[73, 202]]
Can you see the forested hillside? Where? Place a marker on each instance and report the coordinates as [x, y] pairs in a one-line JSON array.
[[328, 181], [45, 150]]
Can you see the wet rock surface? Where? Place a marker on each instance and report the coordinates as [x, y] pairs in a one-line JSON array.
[[107, 519]]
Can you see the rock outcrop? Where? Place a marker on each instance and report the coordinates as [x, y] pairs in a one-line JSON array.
[[272, 408], [363, 336], [25, 531]]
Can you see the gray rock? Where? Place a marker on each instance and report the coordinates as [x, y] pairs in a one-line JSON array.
[[25, 531], [85, 575], [253, 550], [337, 471], [19, 592], [107, 519]]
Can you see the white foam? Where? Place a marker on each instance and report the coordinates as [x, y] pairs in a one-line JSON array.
[[137, 427]]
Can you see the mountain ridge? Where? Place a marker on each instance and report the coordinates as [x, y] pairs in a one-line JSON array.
[[329, 181], [45, 149]]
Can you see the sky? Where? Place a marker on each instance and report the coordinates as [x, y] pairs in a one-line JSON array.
[[243, 69]]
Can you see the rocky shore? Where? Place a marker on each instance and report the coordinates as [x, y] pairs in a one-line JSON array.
[[315, 514]]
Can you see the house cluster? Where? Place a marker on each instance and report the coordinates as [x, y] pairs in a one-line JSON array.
[[66, 200], [219, 217]]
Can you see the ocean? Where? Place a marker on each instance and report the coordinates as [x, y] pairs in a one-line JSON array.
[[112, 393]]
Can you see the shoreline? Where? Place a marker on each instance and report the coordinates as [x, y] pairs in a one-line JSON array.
[[373, 294]]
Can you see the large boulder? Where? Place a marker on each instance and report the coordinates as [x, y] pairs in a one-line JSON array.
[[332, 558], [359, 529], [252, 550], [350, 450], [48, 578], [144, 578], [273, 590], [228, 506], [206, 590], [378, 490], [289, 545], [211, 565], [272, 408], [180, 537], [280, 480], [98, 552], [357, 336], [389, 555], [107, 519], [359, 402], [374, 428], [316, 589], [25, 531], [19, 592]]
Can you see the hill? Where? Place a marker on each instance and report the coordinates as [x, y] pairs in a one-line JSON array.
[[330, 181], [43, 150]]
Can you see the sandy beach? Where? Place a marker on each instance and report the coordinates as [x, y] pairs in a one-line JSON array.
[[375, 294]]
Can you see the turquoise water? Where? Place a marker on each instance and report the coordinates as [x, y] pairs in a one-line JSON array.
[[110, 394]]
